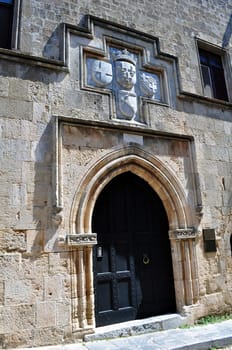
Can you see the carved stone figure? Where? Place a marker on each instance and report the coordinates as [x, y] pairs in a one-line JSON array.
[[125, 74], [101, 73], [125, 66], [148, 84]]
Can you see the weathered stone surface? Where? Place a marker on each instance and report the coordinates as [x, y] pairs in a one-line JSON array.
[[63, 314], [62, 139], [16, 109], [17, 318], [9, 265], [12, 241], [2, 292], [45, 314], [152, 324]]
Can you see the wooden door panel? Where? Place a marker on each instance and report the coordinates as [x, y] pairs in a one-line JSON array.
[[104, 295], [134, 275]]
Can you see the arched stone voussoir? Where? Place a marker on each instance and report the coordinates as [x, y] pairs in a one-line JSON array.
[[143, 164]]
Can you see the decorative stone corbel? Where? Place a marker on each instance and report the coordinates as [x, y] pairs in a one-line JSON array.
[[57, 216]]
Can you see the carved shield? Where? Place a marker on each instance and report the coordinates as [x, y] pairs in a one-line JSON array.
[[148, 84], [127, 104], [101, 73]]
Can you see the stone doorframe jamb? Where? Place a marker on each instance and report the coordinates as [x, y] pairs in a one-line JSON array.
[[180, 217]]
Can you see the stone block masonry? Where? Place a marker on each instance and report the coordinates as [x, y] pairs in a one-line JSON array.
[[96, 89]]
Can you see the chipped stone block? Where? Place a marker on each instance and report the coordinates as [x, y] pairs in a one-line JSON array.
[[59, 262], [4, 87], [18, 292], [22, 338], [34, 267], [49, 336], [9, 265], [17, 318], [63, 314], [46, 314], [12, 241], [53, 287], [15, 109], [34, 241], [18, 89]]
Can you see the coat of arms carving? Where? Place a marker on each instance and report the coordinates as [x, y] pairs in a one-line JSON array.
[[128, 66], [127, 82]]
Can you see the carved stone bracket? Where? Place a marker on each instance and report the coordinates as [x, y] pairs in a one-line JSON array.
[[81, 239], [57, 216], [182, 234]]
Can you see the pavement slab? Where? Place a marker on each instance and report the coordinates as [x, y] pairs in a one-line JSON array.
[[195, 338], [218, 335]]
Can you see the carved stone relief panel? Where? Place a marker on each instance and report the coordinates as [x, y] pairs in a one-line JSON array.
[[122, 68], [127, 82]]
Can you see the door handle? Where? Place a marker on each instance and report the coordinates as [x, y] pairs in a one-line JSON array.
[[146, 259]]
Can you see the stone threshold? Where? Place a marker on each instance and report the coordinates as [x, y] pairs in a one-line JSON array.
[[136, 327]]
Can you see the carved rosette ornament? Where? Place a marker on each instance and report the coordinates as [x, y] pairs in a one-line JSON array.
[[121, 75]]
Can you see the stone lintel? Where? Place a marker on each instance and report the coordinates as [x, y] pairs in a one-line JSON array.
[[81, 239], [188, 233]]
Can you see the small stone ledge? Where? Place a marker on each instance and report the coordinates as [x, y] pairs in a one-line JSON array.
[[184, 95], [125, 329], [23, 58]]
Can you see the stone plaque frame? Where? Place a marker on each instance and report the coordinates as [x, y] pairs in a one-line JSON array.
[[103, 47]]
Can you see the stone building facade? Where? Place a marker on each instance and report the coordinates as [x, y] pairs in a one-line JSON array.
[[116, 164]]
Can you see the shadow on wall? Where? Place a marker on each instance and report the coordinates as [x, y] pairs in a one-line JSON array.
[[52, 48], [228, 33], [231, 243], [43, 195]]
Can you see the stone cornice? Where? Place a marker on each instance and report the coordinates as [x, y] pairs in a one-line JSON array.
[[23, 58]]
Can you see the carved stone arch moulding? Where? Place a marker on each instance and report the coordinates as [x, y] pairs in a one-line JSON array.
[[180, 217], [144, 165]]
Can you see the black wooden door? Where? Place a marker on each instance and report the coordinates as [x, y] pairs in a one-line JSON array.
[[132, 262]]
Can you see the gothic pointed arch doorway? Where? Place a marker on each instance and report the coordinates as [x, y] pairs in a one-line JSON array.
[[133, 276], [175, 206]]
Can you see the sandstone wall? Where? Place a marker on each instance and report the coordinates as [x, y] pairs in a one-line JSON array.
[[38, 279]]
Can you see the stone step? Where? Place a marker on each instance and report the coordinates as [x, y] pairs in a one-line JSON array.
[[125, 329]]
